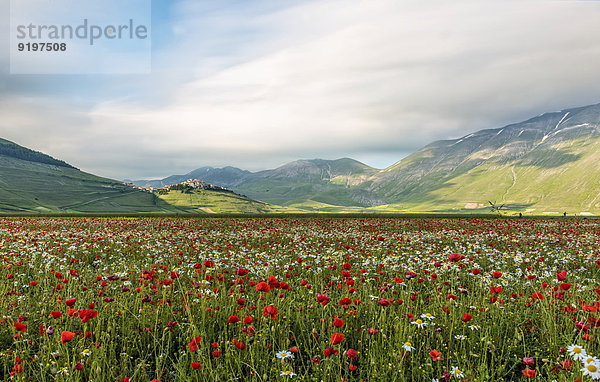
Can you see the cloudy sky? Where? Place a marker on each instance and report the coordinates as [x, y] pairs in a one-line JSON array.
[[257, 83]]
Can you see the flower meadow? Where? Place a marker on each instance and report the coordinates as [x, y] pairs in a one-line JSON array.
[[311, 299]]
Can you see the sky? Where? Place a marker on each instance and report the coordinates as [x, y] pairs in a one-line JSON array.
[[255, 83]]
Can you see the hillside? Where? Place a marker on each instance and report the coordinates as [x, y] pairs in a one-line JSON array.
[[37, 183], [545, 164], [220, 202]]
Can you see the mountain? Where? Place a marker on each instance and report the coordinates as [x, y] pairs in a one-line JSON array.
[[546, 164], [315, 183], [37, 183]]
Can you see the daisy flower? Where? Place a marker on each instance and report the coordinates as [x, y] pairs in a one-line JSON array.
[[456, 372], [460, 337], [577, 352], [592, 369], [287, 373], [589, 359], [419, 323], [408, 346], [473, 327], [428, 316], [284, 354]]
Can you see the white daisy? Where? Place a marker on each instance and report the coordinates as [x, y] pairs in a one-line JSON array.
[[577, 352], [456, 372], [473, 327], [460, 337], [592, 369], [284, 354], [408, 346], [589, 359], [419, 323], [428, 316], [288, 373]]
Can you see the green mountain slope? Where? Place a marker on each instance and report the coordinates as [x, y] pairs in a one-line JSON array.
[[35, 182], [209, 201], [546, 164]]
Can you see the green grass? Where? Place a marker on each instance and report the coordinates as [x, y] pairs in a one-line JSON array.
[[218, 202], [30, 187]]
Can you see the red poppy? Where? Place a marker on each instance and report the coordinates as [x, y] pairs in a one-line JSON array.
[[436, 355], [233, 319], [56, 314], [20, 327], [497, 275], [71, 301], [248, 320], [565, 286], [454, 257], [193, 345], [271, 311], [352, 353], [338, 323], [345, 301], [263, 287], [66, 337], [528, 373], [466, 317], [195, 365], [336, 338]]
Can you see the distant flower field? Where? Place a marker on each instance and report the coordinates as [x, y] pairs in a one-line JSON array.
[[315, 299]]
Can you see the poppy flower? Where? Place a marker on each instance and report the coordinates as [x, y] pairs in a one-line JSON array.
[[195, 365], [233, 320], [466, 317], [336, 338], [20, 327], [345, 301], [193, 345], [352, 353], [263, 287], [271, 311], [66, 337], [338, 323], [70, 301], [528, 373], [454, 257], [435, 355], [56, 314]]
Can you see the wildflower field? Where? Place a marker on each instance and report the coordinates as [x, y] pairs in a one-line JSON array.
[[312, 299]]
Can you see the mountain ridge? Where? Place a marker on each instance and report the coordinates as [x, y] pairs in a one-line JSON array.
[[538, 148]]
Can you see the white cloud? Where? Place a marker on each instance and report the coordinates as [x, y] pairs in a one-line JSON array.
[[258, 85]]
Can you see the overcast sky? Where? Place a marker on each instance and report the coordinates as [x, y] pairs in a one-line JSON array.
[[255, 84]]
